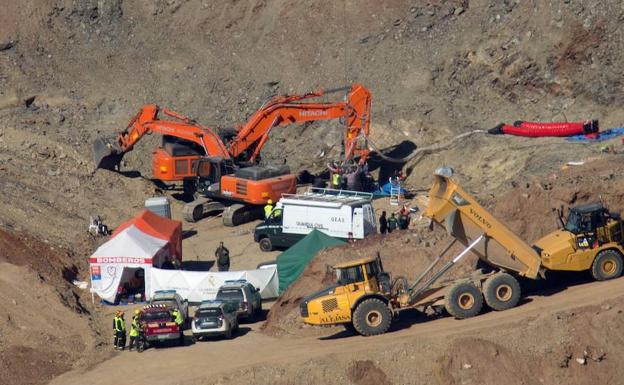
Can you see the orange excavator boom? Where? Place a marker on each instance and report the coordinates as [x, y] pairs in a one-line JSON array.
[[284, 110], [251, 137], [108, 152]]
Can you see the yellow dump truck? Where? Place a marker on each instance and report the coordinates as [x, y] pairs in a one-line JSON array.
[[365, 298]]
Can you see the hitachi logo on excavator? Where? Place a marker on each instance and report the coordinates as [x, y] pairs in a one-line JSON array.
[[480, 218], [313, 113]]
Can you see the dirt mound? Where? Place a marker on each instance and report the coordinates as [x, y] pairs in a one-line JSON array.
[[367, 373], [28, 366], [570, 347], [527, 206], [404, 253], [470, 359], [44, 328]]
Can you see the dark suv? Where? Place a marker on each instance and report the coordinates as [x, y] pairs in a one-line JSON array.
[[245, 294]]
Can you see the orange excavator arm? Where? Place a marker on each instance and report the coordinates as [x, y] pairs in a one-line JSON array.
[[355, 110], [109, 151], [284, 110]]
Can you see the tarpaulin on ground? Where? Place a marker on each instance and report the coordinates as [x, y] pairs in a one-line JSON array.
[[292, 262], [159, 227], [385, 190], [197, 286], [604, 135], [128, 249]]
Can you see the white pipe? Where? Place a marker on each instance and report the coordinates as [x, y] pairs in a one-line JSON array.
[[461, 255]]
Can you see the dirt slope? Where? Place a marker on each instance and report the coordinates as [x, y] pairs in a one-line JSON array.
[[45, 329], [78, 70]]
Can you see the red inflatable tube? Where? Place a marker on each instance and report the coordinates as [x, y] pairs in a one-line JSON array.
[[536, 129]]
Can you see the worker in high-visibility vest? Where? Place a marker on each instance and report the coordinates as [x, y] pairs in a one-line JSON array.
[[268, 208], [177, 318], [134, 330], [119, 330], [335, 181]]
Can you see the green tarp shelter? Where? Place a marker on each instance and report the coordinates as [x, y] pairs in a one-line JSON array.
[[290, 263]]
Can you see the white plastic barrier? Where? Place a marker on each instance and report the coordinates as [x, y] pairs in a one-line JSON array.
[[196, 286]]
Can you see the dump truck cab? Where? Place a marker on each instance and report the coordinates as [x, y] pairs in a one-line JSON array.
[[589, 232], [359, 282]]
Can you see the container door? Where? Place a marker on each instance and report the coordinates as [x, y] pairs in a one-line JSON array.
[[358, 223], [370, 224]]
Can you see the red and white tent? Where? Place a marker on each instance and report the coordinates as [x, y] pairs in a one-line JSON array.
[[146, 241], [159, 227]]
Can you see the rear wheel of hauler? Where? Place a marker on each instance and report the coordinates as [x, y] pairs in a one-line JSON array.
[[463, 300], [501, 291], [266, 245], [607, 265], [372, 317]]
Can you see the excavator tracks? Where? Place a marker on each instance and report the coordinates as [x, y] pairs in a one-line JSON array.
[[197, 209], [233, 215], [237, 214]]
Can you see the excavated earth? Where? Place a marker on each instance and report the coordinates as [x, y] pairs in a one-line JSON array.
[[71, 71]]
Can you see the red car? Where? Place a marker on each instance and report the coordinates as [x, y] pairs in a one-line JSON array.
[[159, 325]]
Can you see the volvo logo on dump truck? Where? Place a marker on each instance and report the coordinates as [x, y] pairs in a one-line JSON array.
[[480, 218]]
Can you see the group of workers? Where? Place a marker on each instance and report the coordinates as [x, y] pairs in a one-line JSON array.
[[350, 178], [136, 328], [400, 221]]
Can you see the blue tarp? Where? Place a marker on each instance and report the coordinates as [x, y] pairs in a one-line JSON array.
[[385, 190], [604, 135]]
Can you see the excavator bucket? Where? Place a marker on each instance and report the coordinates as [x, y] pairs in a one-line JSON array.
[[106, 153]]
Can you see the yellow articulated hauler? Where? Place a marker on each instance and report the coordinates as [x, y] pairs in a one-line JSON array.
[[365, 298]]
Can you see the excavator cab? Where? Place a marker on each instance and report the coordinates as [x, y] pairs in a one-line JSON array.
[[208, 171]]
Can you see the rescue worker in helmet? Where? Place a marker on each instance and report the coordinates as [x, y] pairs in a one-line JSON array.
[[134, 330], [268, 209], [119, 330]]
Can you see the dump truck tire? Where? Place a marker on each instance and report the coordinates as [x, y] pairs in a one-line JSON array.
[[501, 291], [464, 300], [608, 264], [372, 317], [266, 245]]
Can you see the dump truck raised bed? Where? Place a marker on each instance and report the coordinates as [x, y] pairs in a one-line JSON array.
[[590, 239], [366, 300]]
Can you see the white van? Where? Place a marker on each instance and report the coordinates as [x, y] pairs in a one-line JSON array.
[[334, 212]]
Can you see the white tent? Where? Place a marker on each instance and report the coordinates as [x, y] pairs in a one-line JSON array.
[[197, 286], [112, 261]]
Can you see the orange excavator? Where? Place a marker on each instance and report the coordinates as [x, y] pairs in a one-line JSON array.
[[222, 170]]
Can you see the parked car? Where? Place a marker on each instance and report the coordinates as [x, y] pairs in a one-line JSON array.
[[245, 294], [171, 299], [215, 318], [159, 326]]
